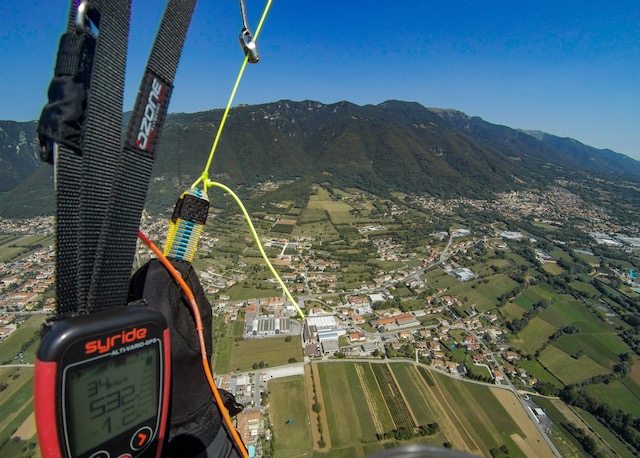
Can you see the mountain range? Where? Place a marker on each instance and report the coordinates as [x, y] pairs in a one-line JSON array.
[[393, 146]]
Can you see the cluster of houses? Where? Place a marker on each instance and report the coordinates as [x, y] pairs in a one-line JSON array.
[[324, 333], [7, 325], [249, 422], [434, 342], [23, 283]]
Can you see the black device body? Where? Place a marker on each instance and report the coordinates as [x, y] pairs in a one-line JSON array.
[[102, 384]]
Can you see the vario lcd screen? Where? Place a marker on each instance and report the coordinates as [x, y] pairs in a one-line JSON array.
[[110, 395]]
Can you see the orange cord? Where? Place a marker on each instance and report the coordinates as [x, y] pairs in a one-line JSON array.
[[203, 350]]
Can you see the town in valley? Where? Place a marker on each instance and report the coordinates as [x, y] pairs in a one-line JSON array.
[[496, 327]]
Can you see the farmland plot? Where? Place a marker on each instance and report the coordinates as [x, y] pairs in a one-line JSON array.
[[602, 348], [392, 396], [567, 369]]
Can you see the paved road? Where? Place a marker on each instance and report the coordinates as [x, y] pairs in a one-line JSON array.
[[284, 371], [276, 372]]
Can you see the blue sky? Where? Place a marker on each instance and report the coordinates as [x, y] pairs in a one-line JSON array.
[[568, 68]]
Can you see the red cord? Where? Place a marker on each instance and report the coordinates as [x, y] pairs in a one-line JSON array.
[[203, 350]]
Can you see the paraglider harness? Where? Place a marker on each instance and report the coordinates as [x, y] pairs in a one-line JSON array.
[[123, 367]]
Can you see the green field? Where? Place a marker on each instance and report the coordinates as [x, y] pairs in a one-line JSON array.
[[482, 295], [511, 311], [502, 263], [361, 398], [323, 231], [273, 351], [589, 259], [534, 335], [339, 213], [440, 279], [392, 394], [535, 369], [516, 259], [566, 311], [553, 269], [534, 294], [545, 226], [350, 416], [288, 398], [239, 292], [12, 345], [526, 299], [485, 295], [617, 395], [224, 339], [482, 414], [541, 291], [282, 229], [409, 380], [602, 348], [631, 382], [369, 381], [558, 253], [32, 240], [312, 214], [568, 369], [612, 445], [16, 404], [585, 289], [9, 253], [523, 301], [476, 370], [338, 210], [17, 448]]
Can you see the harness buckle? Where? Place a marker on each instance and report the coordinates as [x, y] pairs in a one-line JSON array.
[[249, 46]]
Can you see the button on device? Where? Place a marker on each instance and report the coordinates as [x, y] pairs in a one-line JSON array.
[[126, 455], [101, 454], [140, 438]]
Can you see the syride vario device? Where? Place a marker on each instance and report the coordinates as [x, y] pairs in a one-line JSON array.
[[102, 384]]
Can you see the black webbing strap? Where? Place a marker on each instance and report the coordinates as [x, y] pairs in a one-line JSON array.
[[102, 139], [69, 173], [89, 76], [101, 187], [117, 244]]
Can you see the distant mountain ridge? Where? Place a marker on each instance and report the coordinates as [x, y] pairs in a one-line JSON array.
[[18, 153], [395, 145], [588, 156]]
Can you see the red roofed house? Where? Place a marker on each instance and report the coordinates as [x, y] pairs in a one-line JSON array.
[[357, 337]]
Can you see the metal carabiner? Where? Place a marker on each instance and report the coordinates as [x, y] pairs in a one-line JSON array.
[[82, 21], [249, 46]]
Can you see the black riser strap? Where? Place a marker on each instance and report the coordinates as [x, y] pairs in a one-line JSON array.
[[69, 169], [102, 141], [68, 180], [116, 249]]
